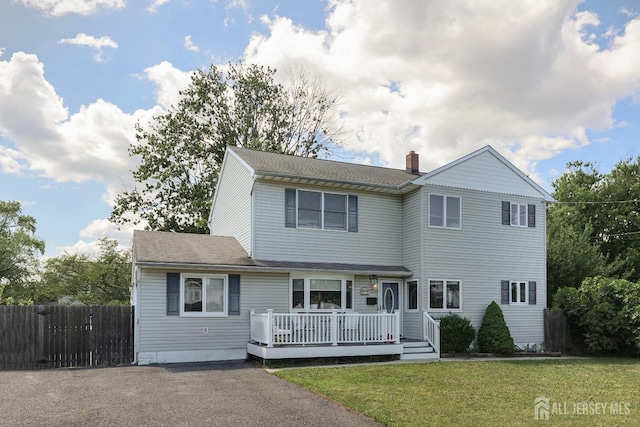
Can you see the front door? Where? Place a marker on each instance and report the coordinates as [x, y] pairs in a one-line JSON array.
[[390, 297]]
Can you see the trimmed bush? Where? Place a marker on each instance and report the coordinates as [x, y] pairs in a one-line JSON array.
[[456, 333], [494, 335]]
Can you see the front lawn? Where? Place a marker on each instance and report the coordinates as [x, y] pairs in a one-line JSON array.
[[492, 393]]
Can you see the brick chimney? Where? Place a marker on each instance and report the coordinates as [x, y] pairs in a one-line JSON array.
[[413, 164]]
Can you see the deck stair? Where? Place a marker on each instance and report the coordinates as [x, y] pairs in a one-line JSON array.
[[417, 350]]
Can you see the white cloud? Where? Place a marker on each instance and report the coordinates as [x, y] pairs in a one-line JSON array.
[[155, 4], [189, 45], [628, 12], [169, 81], [90, 144], [101, 228], [446, 78], [97, 44], [79, 7]]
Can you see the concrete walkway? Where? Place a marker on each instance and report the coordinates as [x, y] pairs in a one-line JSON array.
[[211, 394]]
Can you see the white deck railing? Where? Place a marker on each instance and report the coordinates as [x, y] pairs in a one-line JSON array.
[[273, 329], [431, 332]]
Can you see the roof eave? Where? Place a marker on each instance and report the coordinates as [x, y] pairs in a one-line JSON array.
[[258, 268], [290, 178]]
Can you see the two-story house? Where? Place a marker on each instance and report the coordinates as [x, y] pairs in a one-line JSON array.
[[318, 258]]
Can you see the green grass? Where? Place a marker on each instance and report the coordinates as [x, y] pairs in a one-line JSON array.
[[492, 393]]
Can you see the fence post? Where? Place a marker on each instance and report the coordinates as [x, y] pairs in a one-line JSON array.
[[40, 315]]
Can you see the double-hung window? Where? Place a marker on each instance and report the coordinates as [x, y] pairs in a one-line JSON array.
[[320, 292], [518, 291], [203, 295], [444, 294], [518, 214], [321, 210], [445, 211]]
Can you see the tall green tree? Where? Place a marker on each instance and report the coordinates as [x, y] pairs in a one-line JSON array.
[[181, 151], [594, 229], [19, 248], [93, 280]]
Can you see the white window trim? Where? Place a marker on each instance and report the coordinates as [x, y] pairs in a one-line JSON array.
[[322, 193], [444, 211], [307, 291], [444, 290], [406, 305], [526, 215], [225, 285], [526, 292]]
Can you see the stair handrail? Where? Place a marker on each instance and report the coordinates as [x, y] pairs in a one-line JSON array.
[[431, 332]]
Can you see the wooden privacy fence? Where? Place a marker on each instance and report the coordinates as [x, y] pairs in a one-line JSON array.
[[556, 332], [47, 336]]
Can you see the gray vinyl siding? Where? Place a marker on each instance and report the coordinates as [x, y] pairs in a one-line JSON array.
[[485, 172], [412, 232], [483, 253], [360, 301], [159, 332], [378, 240], [231, 214]]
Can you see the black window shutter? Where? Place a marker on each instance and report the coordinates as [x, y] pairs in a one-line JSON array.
[[532, 293], [506, 213], [504, 294], [531, 210], [234, 294], [353, 213], [173, 294], [290, 207]]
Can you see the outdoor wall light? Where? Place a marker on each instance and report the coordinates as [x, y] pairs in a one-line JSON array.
[[374, 281]]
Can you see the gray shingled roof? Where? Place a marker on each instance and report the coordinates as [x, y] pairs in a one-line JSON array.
[[160, 248], [274, 164], [182, 248]]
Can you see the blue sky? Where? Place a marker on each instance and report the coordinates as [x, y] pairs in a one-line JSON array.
[[545, 82]]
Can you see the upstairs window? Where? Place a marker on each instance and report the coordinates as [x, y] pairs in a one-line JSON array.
[[518, 292], [445, 211], [309, 209], [319, 210], [518, 214]]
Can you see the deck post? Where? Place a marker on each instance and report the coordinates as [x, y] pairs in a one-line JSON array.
[[397, 327], [270, 327], [334, 328], [251, 313]]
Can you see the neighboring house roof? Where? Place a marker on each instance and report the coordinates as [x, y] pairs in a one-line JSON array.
[[184, 250], [280, 166], [485, 170]]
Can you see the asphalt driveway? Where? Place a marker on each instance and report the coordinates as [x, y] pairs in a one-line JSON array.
[[211, 394]]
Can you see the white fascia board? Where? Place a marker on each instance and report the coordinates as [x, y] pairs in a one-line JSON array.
[[229, 151]]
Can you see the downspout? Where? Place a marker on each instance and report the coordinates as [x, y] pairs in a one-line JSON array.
[[136, 315]]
